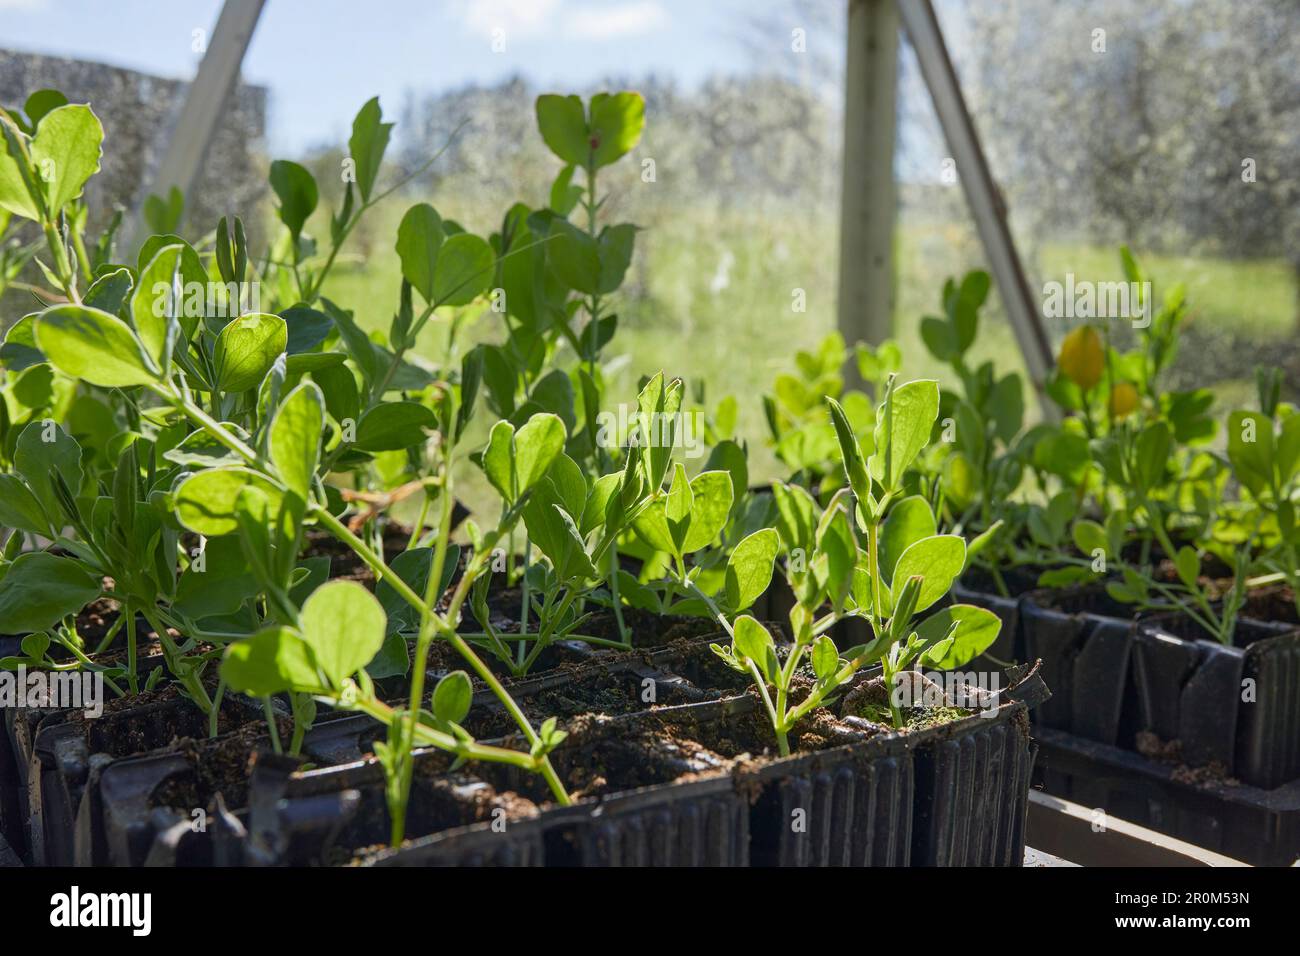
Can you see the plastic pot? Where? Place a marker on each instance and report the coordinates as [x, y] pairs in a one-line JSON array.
[[1084, 645], [1191, 689], [1256, 826]]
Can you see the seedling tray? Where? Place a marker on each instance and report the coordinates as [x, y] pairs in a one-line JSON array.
[[1085, 653], [1256, 826], [122, 812], [1191, 690]]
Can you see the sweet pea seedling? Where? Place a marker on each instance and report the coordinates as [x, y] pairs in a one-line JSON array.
[[902, 569]]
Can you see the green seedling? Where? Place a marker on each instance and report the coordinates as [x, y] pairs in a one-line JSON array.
[[901, 569]]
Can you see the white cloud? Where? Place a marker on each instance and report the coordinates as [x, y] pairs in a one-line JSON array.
[[537, 18], [517, 17], [624, 19], [22, 5]]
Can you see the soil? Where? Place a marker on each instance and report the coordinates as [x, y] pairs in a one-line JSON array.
[[1085, 599], [597, 693], [1171, 752], [691, 657], [95, 620], [147, 721], [1276, 604], [217, 766], [344, 562], [869, 701]]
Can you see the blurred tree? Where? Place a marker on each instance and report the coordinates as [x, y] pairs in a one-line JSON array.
[[1172, 124]]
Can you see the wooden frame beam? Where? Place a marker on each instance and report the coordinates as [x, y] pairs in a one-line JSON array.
[[1066, 830], [205, 101], [982, 195], [868, 200]]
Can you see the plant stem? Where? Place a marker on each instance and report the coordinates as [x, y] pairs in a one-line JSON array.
[[132, 673], [376, 564], [271, 726]]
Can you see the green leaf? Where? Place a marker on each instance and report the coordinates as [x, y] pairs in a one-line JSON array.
[[614, 251], [367, 144], [93, 346], [308, 328], [200, 450], [850, 453], [40, 589], [41, 102], [247, 348], [711, 496], [677, 507], [39, 462], [749, 569], [1286, 457], [536, 447], [563, 126], [838, 547], [657, 402], [570, 485], [413, 567], [556, 535], [603, 496], [938, 559], [498, 461], [1153, 448], [19, 350], [977, 628], [617, 120], [273, 660], [651, 526], [730, 457], [1188, 565], [345, 626], [463, 270], [393, 426], [65, 153], [162, 214], [903, 426], [1089, 536], [752, 640], [452, 697], [419, 237], [156, 290], [1063, 454], [908, 522], [20, 509], [206, 502], [825, 658], [295, 187], [295, 438], [575, 257], [1250, 450], [796, 516], [16, 172], [222, 586], [939, 337]]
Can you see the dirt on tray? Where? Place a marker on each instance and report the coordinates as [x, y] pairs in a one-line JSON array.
[[1170, 752]]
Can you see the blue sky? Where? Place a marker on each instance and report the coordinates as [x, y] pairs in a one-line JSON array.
[[321, 59]]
